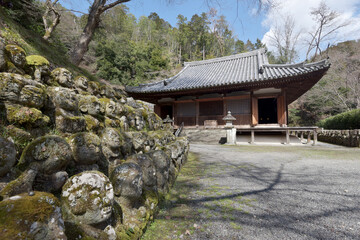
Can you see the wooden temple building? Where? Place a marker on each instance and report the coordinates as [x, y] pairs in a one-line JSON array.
[[257, 93]]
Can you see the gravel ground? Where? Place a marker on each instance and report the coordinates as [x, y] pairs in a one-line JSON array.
[[273, 192]]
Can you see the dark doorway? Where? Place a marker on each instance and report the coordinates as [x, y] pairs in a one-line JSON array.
[[166, 110], [267, 110]]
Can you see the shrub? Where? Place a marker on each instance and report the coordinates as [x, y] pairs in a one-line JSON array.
[[346, 120]]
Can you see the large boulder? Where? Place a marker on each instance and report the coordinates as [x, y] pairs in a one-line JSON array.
[[63, 98], [162, 164], [63, 77], [86, 148], [91, 105], [35, 217], [87, 198], [37, 66], [7, 156], [111, 140], [49, 154], [24, 116], [148, 170], [32, 96], [127, 180], [81, 83], [16, 55], [67, 122], [10, 86]]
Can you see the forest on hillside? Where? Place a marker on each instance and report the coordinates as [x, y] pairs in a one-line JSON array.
[[128, 51], [125, 50]]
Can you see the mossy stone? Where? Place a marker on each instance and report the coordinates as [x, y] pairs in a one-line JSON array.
[[31, 217], [7, 156], [36, 60], [50, 153], [16, 55], [25, 116], [87, 198], [86, 148]]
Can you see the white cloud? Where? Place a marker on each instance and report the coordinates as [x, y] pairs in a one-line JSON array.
[[300, 11]]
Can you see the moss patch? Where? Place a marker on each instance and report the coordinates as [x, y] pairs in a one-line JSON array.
[[17, 216], [36, 60]]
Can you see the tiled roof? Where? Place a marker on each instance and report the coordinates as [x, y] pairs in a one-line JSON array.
[[231, 70]]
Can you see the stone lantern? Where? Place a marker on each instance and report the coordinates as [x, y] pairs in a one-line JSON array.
[[168, 122], [230, 129], [229, 119]]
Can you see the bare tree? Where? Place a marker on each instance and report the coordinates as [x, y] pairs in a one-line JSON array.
[[52, 13], [96, 9], [327, 23], [284, 38]]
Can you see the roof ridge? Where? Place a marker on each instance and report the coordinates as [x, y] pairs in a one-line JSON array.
[[301, 64], [230, 57]]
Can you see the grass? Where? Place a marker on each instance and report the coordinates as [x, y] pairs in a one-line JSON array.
[[178, 216]]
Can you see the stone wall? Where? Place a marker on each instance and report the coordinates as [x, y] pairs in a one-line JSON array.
[[349, 138], [78, 159], [210, 136]]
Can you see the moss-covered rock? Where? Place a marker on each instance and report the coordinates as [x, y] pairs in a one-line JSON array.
[[87, 198], [94, 88], [93, 124], [22, 184], [32, 96], [86, 148], [50, 154], [36, 60], [16, 55], [91, 105], [148, 170], [128, 182], [112, 140], [63, 77], [7, 156], [63, 98], [67, 122], [25, 116], [162, 164], [81, 82], [10, 86], [37, 66], [31, 217]]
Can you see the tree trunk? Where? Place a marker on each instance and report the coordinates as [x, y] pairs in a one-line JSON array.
[[97, 8], [93, 22]]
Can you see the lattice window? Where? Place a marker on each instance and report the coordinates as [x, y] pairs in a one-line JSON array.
[[186, 109], [239, 106], [211, 108]]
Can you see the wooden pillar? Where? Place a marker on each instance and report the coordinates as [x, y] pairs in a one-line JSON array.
[[302, 136], [281, 108], [157, 109], [197, 114], [175, 114], [252, 141], [254, 110]]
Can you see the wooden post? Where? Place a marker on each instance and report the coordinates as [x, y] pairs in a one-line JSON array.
[[287, 137], [315, 137], [252, 141], [302, 136], [254, 110], [308, 138], [197, 114]]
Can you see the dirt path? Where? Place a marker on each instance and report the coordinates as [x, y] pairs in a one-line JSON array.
[[263, 192]]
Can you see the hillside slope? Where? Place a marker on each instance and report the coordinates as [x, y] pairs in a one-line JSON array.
[[336, 92]]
